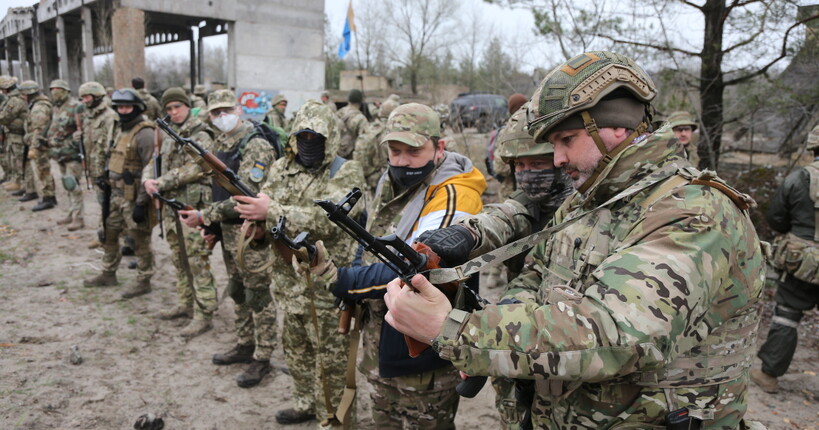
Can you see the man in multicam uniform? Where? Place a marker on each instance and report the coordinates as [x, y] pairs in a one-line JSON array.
[[250, 156], [152, 108], [425, 187], [39, 164], [98, 123], [501, 169], [309, 170], [65, 149], [684, 126], [644, 306], [275, 116], [792, 213], [354, 123], [183, 179], [13, 114], [369, 152]]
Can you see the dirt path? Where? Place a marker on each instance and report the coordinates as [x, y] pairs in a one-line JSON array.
[[135, 364]]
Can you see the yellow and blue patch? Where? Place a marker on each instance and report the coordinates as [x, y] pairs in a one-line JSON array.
[[257, 171]]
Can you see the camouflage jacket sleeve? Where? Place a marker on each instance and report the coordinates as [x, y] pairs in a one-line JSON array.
[[37, 126], [12, 110], [367, 149], [257, 153], [145, 149], [497, 225], [102, 130], [310, 217], [647, 302], [191, 171]]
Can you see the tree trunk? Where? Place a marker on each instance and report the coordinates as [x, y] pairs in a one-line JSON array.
[[414, 80], [712, 84]]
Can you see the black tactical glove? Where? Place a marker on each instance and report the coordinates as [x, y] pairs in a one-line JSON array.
[[140, 212], [453, 244]]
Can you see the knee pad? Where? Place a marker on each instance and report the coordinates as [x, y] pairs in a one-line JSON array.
[[258, 299], [236, 291], [787, 313], [69, 182]]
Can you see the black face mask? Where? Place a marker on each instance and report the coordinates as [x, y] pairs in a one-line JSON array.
[[128, 117], [538, 184], [311, 152], [406, 177], [96, 102]]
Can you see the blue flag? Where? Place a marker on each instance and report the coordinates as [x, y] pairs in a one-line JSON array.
[[346, 35]]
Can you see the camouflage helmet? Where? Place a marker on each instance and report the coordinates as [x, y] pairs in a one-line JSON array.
[[221, 99], [514, 140], [127, 97], [199, 89], [59, 83], [278, 99], [680, 117], [387, 106], [7, 82], [92, 88], [29, 87], [813, 139], [412, 124]]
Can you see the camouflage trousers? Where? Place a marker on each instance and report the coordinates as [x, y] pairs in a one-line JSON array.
[[75, 204], [510, 410], [204, 287], [255, 321], [15, 150], [40, 168], [425, 400], [120, 222], [309, 358]]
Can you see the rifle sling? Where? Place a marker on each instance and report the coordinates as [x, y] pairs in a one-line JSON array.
[[347, 404]]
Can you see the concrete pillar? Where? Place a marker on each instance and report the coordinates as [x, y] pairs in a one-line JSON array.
[[62, 50], [128, 28], [9, 68], [87, 60], [21, 54], [192, 59], [200, 59], [40, 53], [231, 47]]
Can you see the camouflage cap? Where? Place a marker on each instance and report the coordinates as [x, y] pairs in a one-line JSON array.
[[413, 124], [199, 89], [59, 83], [278, 99], [29, 87], [7, 81], [581, 83], [221, 99], [813, 138], [514, 140], [174, 94], [682, 118], [92, 88]]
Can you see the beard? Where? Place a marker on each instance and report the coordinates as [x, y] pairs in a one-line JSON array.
[[577, 175]]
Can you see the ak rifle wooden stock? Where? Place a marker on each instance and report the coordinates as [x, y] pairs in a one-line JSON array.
[[177, 206]]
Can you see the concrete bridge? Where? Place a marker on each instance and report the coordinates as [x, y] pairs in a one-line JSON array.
[[273, 45]]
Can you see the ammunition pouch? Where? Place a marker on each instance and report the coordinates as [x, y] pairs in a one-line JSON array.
[[128, 189], [796, 256], [69, 182], [236, 291]]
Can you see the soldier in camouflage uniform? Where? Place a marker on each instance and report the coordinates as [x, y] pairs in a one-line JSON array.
[[325, 98], [645, 304], [355, 123], [310, 170], [13, 114], [275, 116], [65, 149], [684, 125], [369, 152], [97, 133], [4, 162], [39, 165], [501, 169], [152, 108], [198, 97], [425, 187], [250, 156], [129, 203], [183, 179]]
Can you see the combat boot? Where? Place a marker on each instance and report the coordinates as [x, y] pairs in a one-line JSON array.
[[293, 416], [195, 328], [766, 382], [254, 374], [11, 186], [137, 288], [47, 202], [104, 279], [27, 197], [176, 312], [65, 221], [239, 354], [77, 224], [18, 193], [91, 245]]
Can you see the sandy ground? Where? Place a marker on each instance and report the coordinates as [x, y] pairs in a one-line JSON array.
[[135, 364]]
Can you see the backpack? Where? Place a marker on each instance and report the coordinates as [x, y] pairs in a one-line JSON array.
[[270, 134]]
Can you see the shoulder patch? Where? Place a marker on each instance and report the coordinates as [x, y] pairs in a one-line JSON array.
[[257, 172]]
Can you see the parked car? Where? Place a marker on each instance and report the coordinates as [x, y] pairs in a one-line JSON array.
[[482, 111]]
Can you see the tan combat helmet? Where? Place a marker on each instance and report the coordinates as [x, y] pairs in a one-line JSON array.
[[199, 90], [680, 117], [387, 106], [59, 83], [29, 87], [92, 88], [7, 82], [514, 140], [593, 90], [813, 139]]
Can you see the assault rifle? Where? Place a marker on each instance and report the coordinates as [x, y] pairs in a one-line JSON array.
[[102, 182], [157, 174], [224, 176], [83, 155], [214, 229], [406, 261], [286, 247]]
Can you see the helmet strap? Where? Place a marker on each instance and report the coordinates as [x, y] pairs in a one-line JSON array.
[[608, 156]]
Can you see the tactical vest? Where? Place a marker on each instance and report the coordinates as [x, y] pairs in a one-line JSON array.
[[125, 161], [573, 254], [17, 125], [794, 255]]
